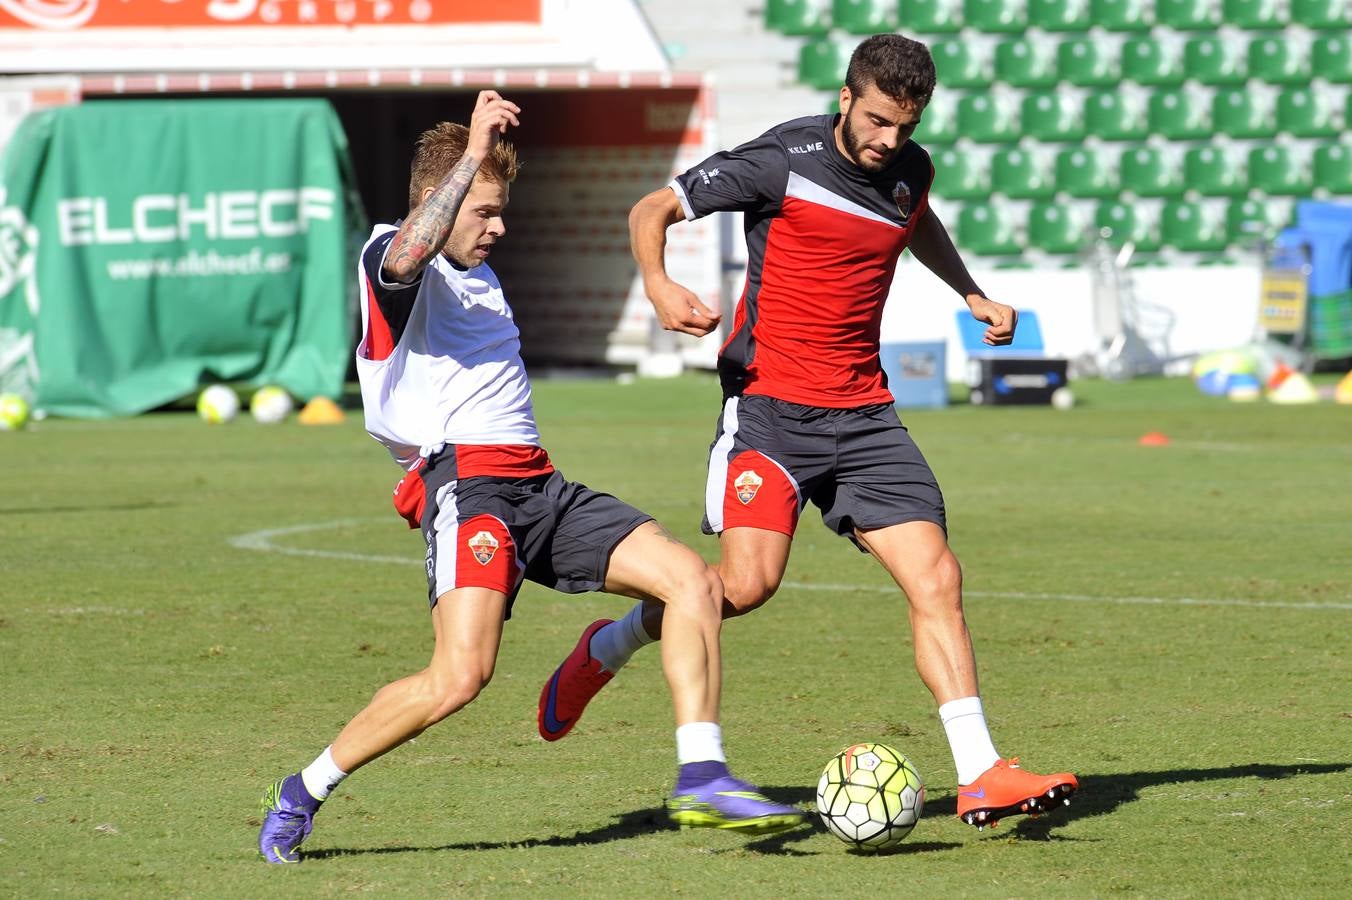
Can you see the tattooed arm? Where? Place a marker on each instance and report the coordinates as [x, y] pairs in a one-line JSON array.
[[423, 234]]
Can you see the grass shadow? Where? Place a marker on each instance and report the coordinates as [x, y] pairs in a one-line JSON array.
[[1099, 794]]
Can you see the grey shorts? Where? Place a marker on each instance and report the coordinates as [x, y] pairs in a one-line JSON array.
[[495, 532], [858, 466]]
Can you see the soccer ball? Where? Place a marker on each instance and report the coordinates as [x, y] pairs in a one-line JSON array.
[[217, 404], [870, 796], [13, 412], [270, 405]]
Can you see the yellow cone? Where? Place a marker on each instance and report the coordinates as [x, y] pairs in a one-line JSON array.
[[1343, 392], [1295, 388], [321, 411]]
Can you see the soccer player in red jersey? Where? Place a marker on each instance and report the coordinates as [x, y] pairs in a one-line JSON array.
[[445, 391], [829, 204]]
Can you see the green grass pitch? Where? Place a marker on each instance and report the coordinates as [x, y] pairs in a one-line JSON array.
[[188, 612]]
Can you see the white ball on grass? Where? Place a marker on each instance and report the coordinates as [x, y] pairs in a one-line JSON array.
[[270, 405], [217, 404]]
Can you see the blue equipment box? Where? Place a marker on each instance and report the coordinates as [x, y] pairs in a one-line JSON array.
[[915, 373]]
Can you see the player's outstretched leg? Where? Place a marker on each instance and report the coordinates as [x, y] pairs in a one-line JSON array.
[[708, 796], [1007, 790], [568, 691], [288, 816]]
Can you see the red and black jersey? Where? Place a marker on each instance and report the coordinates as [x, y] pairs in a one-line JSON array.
[[823, 237]]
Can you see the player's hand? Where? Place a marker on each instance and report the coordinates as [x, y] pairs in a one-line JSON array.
[[678, 309], [493, 114], [1001, 319]]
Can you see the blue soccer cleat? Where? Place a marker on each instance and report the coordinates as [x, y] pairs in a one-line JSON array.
[[288, 816], [728, 803]]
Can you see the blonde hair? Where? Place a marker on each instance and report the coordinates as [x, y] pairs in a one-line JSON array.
[[440, 148]]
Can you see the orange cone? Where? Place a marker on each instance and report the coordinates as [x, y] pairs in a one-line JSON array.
[[1154, 439], [321, 411]]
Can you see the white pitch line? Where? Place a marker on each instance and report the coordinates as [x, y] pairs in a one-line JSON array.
[[263, 541]]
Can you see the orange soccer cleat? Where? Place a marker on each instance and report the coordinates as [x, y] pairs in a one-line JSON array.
[[1006, 790]]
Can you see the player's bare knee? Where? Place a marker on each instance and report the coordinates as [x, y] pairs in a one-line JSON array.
[[746, 591], [457, 689], [694, 588], [938, 589]]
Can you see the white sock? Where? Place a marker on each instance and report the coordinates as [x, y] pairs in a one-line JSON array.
[[968, 737], [322, 775], [613, 644], [699, 742]]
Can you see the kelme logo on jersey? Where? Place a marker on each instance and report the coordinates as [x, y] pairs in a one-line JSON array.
[[746, 485], [483, 545], [902, 195]]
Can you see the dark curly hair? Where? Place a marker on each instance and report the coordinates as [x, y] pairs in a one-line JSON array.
[[900, 67]]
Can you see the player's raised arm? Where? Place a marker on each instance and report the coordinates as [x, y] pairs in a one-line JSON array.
[[423, 234], [932, 246], [678, 309]]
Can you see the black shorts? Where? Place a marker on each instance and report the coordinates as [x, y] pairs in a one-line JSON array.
[[858, 466], [492, 532]]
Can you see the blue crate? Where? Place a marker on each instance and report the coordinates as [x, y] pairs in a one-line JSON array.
[[915, 373]]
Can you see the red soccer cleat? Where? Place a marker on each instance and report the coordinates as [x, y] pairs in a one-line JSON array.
[[571, 687], [1006, 790]]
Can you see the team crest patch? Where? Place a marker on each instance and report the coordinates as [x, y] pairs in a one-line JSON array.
[[483, 545], [746, 485], [902, 195]]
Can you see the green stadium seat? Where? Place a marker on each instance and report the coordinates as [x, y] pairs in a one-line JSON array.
[[1185, 225], [1146, 60], [1248, 221], [996, 16], [864, 16], [1120, 223], [1214, 172], [1179, 114], [1242, 113], [809, 18], [1052, 116], [1122, 15], [1188, 15], [939, 122], [930, 16], [1322, 15], [1022, 174], [1026, 63], [1254, 15], [1308, 113], [986, 229], [959, 65], [1149, 172], [1333, 168], [1057, 228], [1274, 60], [1331, 58], [1085, 62], [1115, 116], [1085, 172], [985, 119], [1214, 60], [1278, 170], [822, 63], [1059, 15], [959, 175]]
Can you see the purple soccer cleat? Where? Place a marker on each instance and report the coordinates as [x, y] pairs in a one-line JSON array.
[[708, 796], [288, 816]]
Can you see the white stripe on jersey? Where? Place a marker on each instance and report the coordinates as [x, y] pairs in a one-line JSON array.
[[812, 192]]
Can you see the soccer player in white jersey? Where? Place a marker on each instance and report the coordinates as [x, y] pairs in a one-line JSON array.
[[445, 391]]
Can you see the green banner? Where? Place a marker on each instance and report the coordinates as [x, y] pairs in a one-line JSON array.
[[150, 247]]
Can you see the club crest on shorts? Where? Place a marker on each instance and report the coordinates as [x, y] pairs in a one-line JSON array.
[[746, 485], [483, 545], [902, 195]]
